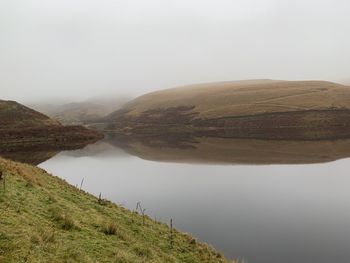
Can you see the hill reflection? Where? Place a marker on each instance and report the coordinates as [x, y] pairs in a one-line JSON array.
[[185, 148]]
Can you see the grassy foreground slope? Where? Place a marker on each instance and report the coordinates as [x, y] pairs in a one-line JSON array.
[[44, 219]]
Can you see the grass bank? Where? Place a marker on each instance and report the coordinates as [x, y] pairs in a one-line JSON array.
[[44, 219]]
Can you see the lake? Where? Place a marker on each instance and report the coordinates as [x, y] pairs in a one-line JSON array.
[[266, 202]]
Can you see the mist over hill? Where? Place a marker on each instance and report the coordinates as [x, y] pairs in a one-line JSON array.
[[80, 112]]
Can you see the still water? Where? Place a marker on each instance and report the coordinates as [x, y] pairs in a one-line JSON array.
[[262, 209]]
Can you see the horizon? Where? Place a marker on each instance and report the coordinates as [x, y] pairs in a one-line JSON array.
[[124, 98]]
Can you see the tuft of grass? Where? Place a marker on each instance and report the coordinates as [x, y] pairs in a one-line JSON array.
[[122, 257], [48, 235], [63, 218], [142, 251], [110, 228], [67, 222]]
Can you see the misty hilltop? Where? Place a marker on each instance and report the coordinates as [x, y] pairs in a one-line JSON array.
[[268, 109], [80, 112]]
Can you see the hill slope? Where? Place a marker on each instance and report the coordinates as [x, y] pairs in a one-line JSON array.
[[246, 97], [22, 127], [15, 115], [244, 109], [44, 219]]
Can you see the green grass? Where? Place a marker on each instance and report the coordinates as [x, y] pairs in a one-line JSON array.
[[44, 219]]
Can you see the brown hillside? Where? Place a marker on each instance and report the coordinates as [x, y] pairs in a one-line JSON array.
[[246, 97], [264, 109], [23, 128], [15, 115]]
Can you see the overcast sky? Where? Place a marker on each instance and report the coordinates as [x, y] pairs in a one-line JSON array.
[[78, 49]]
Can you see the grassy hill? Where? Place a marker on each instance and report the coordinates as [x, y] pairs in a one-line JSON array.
[[22, 127], [44, 219], [241, 98], [266, 109]]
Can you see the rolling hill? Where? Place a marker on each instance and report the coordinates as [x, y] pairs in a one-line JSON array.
[[22, 127], [260, 109], [14, 115]]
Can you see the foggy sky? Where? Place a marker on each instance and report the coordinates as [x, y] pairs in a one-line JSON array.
[[78, 49]]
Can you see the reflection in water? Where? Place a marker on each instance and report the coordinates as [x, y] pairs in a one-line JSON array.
[[188, 149], [184, 148], [37, 153], [34, 157], [264, 213]]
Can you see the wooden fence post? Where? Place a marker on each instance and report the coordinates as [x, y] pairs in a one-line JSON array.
[[81, 184], [171, 234]]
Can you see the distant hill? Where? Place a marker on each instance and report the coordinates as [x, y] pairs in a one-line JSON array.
[[22, 127], [81, 112], [267, 109]]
